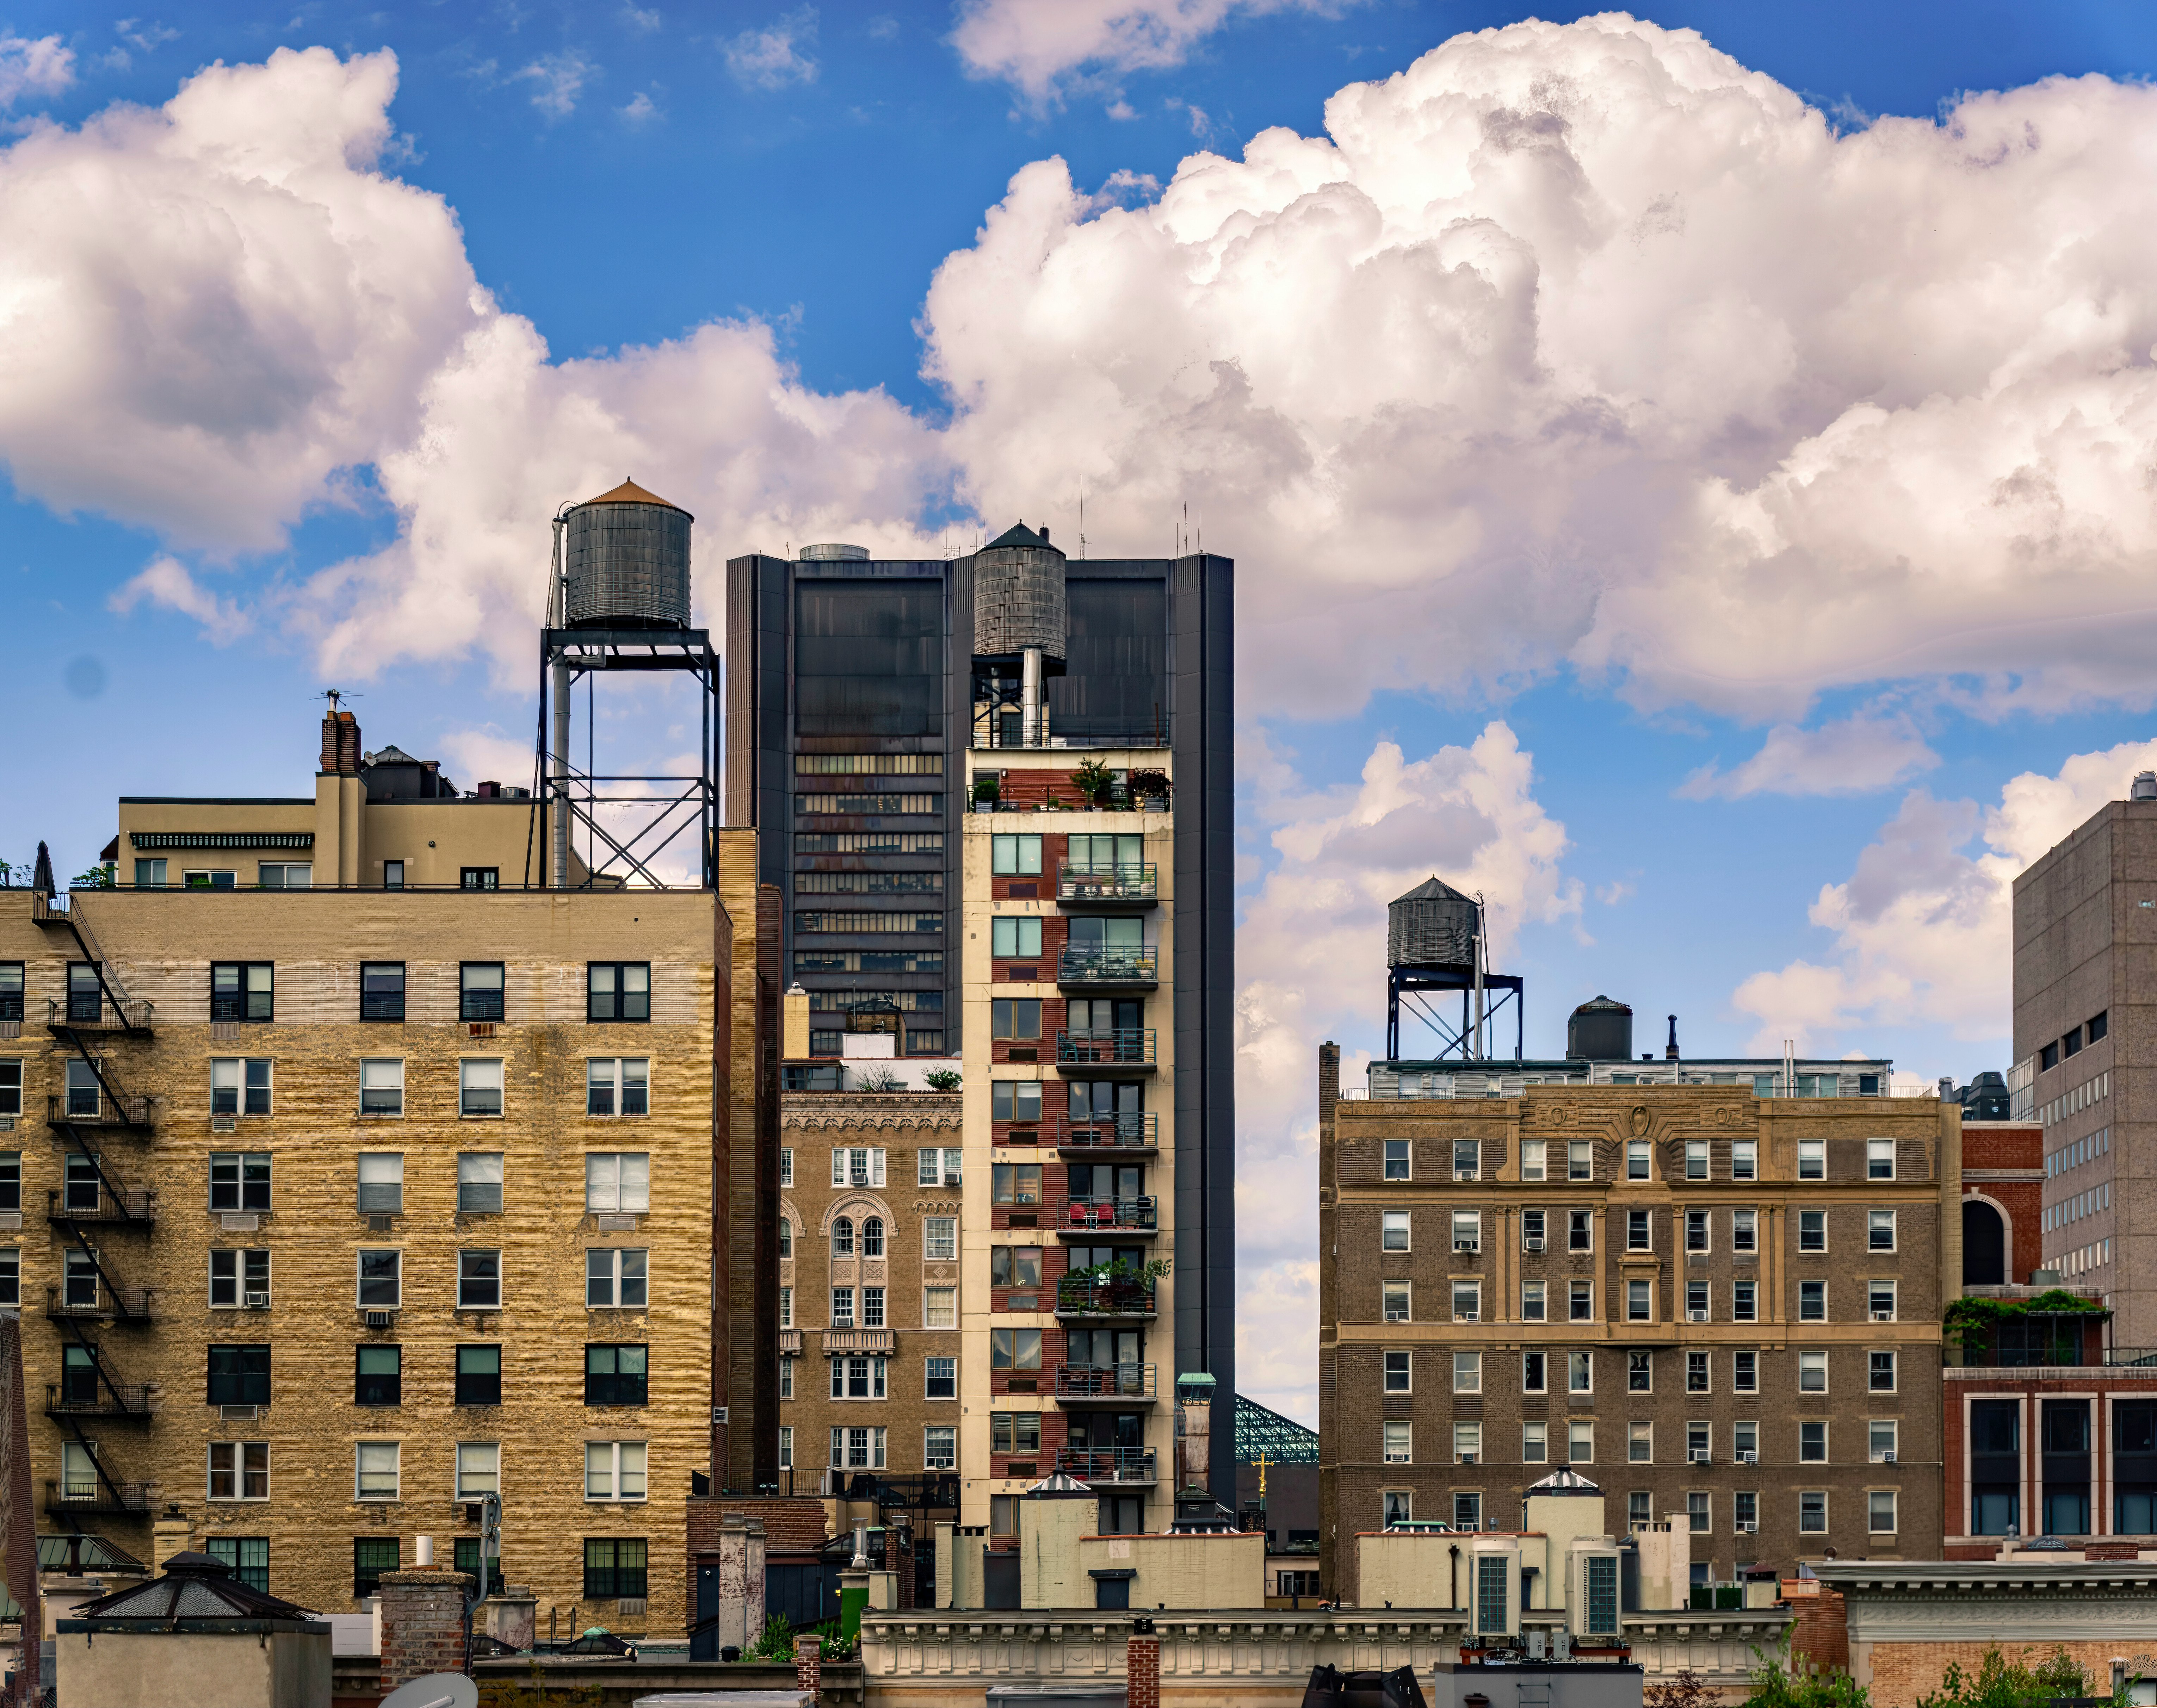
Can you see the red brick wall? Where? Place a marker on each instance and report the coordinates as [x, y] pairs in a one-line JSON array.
[[1142, 1672], [1903, 1672], [790, 1526], [423, 1625], [1996, 1144], [1821, 1634], [1999, 1384], [2001, 1144]]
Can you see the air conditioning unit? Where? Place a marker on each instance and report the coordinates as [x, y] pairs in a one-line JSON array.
[[380, 1319], [238, 1414], [1464, 1173], [1699, 1456], [1695, 1316], [1748, 1457], [1883, 1316], [1468, 1245], [1466, 1458], [258, 1301], [1888, 1456], [1532, 1243], [1396, 1458], [1396, 1316], [223, 1123], [1746, 1527]]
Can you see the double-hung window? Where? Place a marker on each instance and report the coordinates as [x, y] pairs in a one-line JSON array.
[[479, 1469], [1394, 1231], [1812, 1158], [238, 1376], [614, 1470], [857, 1165], [1880, 1230], [382, 1087], [618, 991], [243, 990], [1744, 1230], [615, 1278], [615, 1567], [239, 1277], [381, 1280], [382, 989], [939, 1239], [479, 1087], [239, 1086], [478, 1376], [618, 1085], [1744, 1158], [378, 1377], [617, 1182], [479, 1280], [239, 1180], [479, 1183], [240, 1470], [1640, 1162], [939, 1167], [1880, 1158], [1397, 1162], [381, 1183], [1695, 1159], [617, 1376], [480, 985]]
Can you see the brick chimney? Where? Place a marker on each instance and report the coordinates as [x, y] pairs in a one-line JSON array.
[[329, 763], [1142, 1665], [347, 744]]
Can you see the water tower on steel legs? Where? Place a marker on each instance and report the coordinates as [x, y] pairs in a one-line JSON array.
[[619, 600], [1434, 941]]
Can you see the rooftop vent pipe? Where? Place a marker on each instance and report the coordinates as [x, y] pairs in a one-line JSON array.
[[2145, 786], [1670, 1050]]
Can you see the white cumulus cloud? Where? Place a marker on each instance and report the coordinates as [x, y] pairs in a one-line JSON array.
[[39, 65], [558, 81], [1034, 44], [776, 56], [1853, 756], [165, 581]]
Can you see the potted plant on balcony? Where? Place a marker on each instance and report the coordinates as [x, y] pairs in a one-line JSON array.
[[1149, 788], [1095, 781], [987, 792]]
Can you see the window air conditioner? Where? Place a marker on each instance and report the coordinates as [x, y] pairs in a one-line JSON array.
[[1396, 1316], [1699, 1456], [1465, 1458], [1532, 1243], [238, 1414], [1464, 1173], [1746, 1527], [1748, 1458], [258, 1301], [1888, 1456], [1695, 1316], [1468, 1245], [379, 1319]]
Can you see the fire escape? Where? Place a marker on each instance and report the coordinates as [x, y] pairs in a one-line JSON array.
[[92, 1210]]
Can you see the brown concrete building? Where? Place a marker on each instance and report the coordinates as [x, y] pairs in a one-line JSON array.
[[355, 1182], [1719, 1303], [2085, 929]]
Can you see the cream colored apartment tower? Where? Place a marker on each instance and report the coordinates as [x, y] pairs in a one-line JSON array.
[[1069, 1068], [341, 1206]]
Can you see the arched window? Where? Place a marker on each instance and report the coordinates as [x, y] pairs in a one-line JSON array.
[[872, 1237], [842, 1238], [785, 1238], [1984, 1245]]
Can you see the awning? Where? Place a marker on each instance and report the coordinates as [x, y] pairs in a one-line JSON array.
[[222, 839]]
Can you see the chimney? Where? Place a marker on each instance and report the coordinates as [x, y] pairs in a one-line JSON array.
[[330, 738], [1044, 536], [1670, 1050], [347, 747]]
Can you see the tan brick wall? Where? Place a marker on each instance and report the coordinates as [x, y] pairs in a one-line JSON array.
[[1903, 1672]]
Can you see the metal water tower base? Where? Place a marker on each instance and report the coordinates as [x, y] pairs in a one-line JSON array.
[[1411, 981]]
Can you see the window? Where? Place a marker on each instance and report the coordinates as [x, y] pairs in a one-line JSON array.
[[1532, 1307], [1399, 1442], [1395, 1234], [478, 1376], [1745, 1372], [479, 1087], [1880, 1230], [1396, 1159], [1014, 1100], [375, 1469], [479, 877], [1744, 1230], [1880, 1511], [1532, 1159], [479, 1183], [382, 989], [1695, 1230], [1640, 1235], [855, 1447], [1696, 1377], [939, 1239], [239, 1180], [1698, 1511], [479, 990], [381, 1280], [1745, 1301], [11, 989], [1395, 1302], [939, 1308], [1696, 1301], [1015, 935], [1015, 1017], [1812, 1372], [860, 1166], [83, 1090], [940, 1168], [615, 1570], [1880, 1158], [372, 1556], [377, 1376], [1467, 1373], [942, 1378], [614, 1470], [10, 1177], [1880, 1300], [843, 1307], [785, 1293], [872, 1308], [1580, 1372], [1639, 1302], [479, 1280], [1812, 1512], [1535, 1442], [1467, 1509], [1812, 1158], [615, 1278], [1695, 1159], [1399, 1506], [1880, 1436], [1581, 1301], [1014, 1349], [239, 1087], [1579, 1231], [617, 1376], [939, 1446], [246, 1557], [1580, 1442], [617, 990], [1639, 1507], [392, 874], [1397, 1372], [618, 1085], [243, 990], [238, 1277], [1812, 1301], [1880, 1373], [1532, 1230], [1014, 1266], [787, 1165], [479, 1469], [11, 1088], [1467, 1230], [381, 1183], [1579, 1160], [1535, 1372], [79, 1280], [1640, 1443], [1812, 1229], [1639, 1372], [617, 1182], [382, 1087], [240, 1470], [1014, 856], [1812, 1443]]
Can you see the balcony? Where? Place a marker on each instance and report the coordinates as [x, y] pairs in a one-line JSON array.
[[91, 1107], [1081, 1297], [1108, 969], [129, 1208], [1123, 1049], [1139, 1130], [1105, 1384], [881, 1341], [1099, 1465], [1091, 1215], [98, 1498], [96, 1011], [116, 1304], [1080, 884], [124, 1400]]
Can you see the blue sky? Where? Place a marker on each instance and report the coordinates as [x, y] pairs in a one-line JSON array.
[[181, 580]]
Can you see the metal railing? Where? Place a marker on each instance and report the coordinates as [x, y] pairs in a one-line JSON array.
[[1121, 1046], [1108, 966], [90, 1107], [122, 1400], [1077, 1296], [127, 1304], [94, 1495], [1107, 1465], [93, 1011], [1091, 1214], [95, 1203], [1105, 1381], [1123, 881], [1140, 1129], [1007, 729]]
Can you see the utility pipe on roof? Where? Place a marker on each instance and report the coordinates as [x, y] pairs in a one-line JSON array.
[[558, 737]]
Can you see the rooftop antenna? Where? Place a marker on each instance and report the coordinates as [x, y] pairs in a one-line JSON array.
[[336, 697], [1082, 515]]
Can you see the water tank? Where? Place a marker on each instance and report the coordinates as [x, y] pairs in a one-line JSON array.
[[2145, 786], [626, 559], [1601, 1030], [834, 553], [1019, 601], [1432, 925]]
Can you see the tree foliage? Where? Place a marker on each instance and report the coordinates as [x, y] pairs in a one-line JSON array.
[[2001, 1683], [1779, 1681]]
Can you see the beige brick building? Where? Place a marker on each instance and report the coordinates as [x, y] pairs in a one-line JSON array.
[[353, 1183]]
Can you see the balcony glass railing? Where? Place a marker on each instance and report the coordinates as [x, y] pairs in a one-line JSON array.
[[1102, 1215], [1105, 1381], [1108, 966], [1107, 1465], [1104, 881], [1133, 1128], [1122, 1046]]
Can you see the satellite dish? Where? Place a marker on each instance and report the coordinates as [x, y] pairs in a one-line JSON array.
[[435, 1690]]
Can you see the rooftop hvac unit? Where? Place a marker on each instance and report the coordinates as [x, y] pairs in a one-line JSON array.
[[1532, 1243], [1699, 1456], [258, 1301]]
